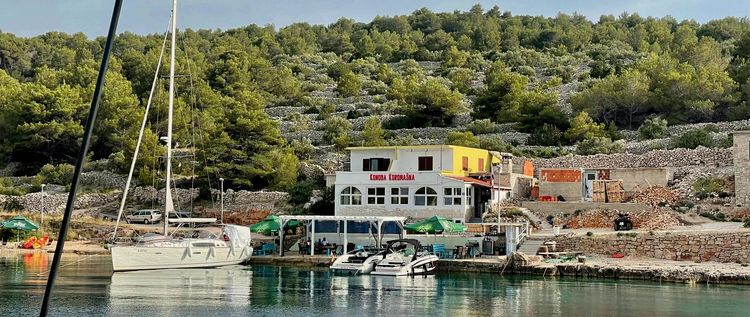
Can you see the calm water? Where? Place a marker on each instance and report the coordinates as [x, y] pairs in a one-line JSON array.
[[86, 287]]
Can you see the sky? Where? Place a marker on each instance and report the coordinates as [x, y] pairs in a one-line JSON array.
[[33, 17]]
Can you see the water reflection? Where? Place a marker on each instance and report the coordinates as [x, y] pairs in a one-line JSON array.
[[86, 286], [165, 292]]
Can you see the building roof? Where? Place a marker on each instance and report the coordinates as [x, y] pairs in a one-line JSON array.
[[334, 218], [407, 147]]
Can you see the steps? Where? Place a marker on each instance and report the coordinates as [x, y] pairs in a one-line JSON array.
[[535, 219], [530, 247]]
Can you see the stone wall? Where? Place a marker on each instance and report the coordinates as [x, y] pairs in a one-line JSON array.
[[741, 158], [55, 203], [544, 208], [697, 246], [260, 200], [659, 158]]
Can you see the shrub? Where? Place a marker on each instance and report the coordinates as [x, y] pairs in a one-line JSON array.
[[494, 143], [747, 223], [466, 139], [546, 135], [61, 174], [705, 186], [693, 139], [590, 234], [653, 128], [483, 126], [598, 145], [301, 191]]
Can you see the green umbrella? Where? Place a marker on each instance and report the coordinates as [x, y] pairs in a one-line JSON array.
[[436, 224], [272, 224], [19, 223]]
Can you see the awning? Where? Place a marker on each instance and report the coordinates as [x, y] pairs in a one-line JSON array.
[[472, 181]]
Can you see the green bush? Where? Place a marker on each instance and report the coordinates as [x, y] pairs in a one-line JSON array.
[[482, 126], [466, 139], [301, 191], [747, 223], [693, 139], [706, 186], [494, 143], [61, 174], [653, 128], [547, 135], [598, 145]]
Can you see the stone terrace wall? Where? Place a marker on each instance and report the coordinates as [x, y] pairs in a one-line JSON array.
[[659, 158], [709, 246]]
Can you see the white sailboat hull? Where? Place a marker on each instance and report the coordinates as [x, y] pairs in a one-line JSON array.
[[134, 258]]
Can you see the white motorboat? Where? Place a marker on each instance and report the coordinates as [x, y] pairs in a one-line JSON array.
[[360, 261], [231, 247], [404, 257]]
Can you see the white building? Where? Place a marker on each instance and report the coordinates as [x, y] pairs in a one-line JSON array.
[[419, 182]]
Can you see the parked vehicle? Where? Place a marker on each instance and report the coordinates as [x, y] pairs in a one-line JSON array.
[[146, 216], [108, 215], [623, 222]]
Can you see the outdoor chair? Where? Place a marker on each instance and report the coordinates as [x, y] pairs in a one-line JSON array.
[[268, 248], [460, 252], [303, 248], [439, 250]]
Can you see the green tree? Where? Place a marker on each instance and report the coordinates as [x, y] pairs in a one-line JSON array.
[[653, 128], [583, 127], [373, 133], [465, 138], [348, 85]]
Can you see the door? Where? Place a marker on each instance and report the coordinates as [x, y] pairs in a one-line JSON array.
[[588, 185]]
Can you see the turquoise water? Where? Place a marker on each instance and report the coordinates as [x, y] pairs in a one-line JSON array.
[[86, 287]]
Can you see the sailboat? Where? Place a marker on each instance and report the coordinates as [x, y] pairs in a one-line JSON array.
[[230, 247]]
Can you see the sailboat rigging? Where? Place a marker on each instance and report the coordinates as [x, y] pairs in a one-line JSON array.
[[231, 247]]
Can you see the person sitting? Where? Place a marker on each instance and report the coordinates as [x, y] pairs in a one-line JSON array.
[[319, 247]]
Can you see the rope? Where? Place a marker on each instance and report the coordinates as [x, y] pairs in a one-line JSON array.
[[86, 257]]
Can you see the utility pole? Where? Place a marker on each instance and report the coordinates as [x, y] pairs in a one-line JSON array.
[[222, 199], [41, 225]]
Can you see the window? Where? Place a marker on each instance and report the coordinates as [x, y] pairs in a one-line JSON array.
[[425, 163], [452, 196], [376, 164], [465, 163], [480, 168], [376, 196], [468, 196], [400, 196], [425, 196], [351, 196]]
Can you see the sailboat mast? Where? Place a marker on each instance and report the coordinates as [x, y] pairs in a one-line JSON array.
[[169, 205]]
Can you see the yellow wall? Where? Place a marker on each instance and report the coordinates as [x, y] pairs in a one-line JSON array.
[[474, 155]]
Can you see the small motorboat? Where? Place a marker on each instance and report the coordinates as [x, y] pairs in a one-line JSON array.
[[360, 261], [404, 257]]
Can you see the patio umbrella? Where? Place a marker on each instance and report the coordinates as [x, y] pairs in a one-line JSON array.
[[19, 223], [435, 224], [272, 224]]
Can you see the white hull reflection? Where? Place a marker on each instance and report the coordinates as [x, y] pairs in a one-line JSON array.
[[174, 289]]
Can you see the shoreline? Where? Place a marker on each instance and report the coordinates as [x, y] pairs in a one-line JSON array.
[[636, 269], [628, 268]]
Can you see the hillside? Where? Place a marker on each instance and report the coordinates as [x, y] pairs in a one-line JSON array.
[[273, 108]]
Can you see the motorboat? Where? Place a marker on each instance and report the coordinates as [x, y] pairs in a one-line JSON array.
[[360, 261], [230, 248], [404, 257]]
